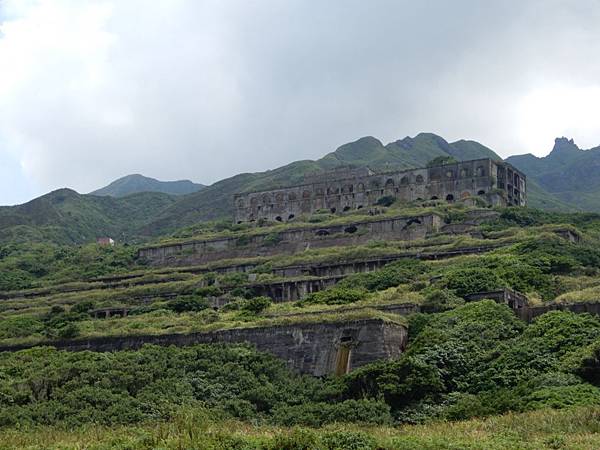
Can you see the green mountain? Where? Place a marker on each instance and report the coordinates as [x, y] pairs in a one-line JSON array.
[[133, 184], [215, 201], [66, 217], [569, 174]]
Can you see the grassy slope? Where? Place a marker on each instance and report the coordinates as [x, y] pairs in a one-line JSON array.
[[66, 217], [546, 429]]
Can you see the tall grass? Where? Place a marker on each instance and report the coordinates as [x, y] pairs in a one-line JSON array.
[[197, 429]]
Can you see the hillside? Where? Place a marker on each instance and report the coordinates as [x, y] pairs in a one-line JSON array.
[[215, 201], [66, 217], [356, 335], [134, 184], [568, 174]]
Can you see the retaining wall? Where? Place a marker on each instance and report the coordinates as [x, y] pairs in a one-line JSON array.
[[291, 241], [313, 348]]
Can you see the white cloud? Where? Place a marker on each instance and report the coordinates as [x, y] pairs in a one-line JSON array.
[[92, 90]]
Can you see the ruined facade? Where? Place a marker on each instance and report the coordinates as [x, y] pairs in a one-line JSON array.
[[313, 348], [498, 183]]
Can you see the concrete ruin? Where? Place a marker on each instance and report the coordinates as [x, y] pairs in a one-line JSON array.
[[318, 349], [496, 182], [292, 240]]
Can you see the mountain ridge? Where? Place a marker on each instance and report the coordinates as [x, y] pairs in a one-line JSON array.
[[136, 183], [68, 217]]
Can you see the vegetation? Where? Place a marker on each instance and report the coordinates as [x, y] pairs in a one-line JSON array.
[[196, 428], [464, 360]]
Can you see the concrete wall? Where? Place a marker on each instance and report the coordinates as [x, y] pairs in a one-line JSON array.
[[306, 348], [531, 312], [355, 190], [291, 241]]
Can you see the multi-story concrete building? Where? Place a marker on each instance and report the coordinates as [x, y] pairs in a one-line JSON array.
[[496, 182]]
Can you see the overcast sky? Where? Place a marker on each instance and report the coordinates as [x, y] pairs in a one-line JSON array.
[[94, 90]]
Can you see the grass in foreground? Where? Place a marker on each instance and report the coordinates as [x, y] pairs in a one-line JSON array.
[[545, 429]]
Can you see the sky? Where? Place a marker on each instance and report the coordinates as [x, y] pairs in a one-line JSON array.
[[205, 89]]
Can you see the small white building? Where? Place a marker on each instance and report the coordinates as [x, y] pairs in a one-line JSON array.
[[105, 241]]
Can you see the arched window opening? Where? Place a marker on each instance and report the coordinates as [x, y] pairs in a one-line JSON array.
[[450, 198], [480, 171], [278, 219], [480, 192], [346, 208], [351, 229], [419, 179], [291, 216], [434, 197], [322, 232], [404, 181], [333, 210]]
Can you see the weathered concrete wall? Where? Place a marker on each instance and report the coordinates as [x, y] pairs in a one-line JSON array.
[[350, 190], [307, 348], [292, 290], [531, 312], [513, 299], [291, 241]]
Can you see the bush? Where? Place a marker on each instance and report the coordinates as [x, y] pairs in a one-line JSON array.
[[337, 295], [387, 200], [256, 305], [318, 414], [187, 303], [391, 275], [441, 160], [349, 440], [83, 307], [472, 280], [439, 300], [69, 331]]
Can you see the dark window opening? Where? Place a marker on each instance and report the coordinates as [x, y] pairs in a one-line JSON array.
[[291, 216], [333, 210], [322, 232], [480, 192], [434, 198], [450, 198], [359, 207], [278, 219], [346, 339], [351, 229], [239, 222], [346, 208]]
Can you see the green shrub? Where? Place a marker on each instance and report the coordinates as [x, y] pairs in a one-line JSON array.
[[391, 275], [387, 200], [187, 303], [256, 305], [83, 307], [472, 280], [438, 300], [349, 440], [337, 295], [13, 327], [318, 414]]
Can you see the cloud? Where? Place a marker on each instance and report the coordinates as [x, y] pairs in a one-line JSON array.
[[92, 90]]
